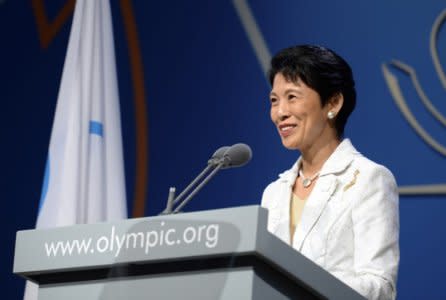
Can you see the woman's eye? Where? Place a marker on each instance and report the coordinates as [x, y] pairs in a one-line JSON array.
[[273, 100], [291, 97]]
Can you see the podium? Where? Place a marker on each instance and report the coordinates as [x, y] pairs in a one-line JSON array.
[[215, 254]]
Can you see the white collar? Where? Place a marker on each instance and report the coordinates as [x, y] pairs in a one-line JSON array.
[[338, 161]]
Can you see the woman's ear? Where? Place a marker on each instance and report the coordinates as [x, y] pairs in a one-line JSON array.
[[335, 103]]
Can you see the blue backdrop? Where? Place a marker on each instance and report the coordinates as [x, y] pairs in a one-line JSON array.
[[205, 87]]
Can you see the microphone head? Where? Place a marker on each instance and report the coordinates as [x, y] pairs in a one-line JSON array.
[[236, 156], [218, 155]]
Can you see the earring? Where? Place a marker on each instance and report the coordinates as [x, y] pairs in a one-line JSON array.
[[331, 114]]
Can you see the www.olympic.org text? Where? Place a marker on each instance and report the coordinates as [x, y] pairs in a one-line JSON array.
[[144, 240]]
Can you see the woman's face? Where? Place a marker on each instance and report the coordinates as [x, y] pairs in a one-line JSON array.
[[297, 112]]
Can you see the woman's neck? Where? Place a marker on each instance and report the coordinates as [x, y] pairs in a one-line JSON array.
[[315, 156]]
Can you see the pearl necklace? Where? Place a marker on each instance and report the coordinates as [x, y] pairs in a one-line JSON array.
[[306, 182]]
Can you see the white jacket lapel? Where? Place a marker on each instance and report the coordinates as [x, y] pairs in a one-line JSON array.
[[325, 186], [314, 207]]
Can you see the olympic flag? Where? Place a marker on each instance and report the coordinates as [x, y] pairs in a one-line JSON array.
[[84, 177]]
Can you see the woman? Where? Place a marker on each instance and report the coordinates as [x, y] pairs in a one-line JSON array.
[[334, 205]]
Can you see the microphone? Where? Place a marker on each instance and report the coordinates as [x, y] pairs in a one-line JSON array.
[[212, 162], [215, 159], [235, 156]]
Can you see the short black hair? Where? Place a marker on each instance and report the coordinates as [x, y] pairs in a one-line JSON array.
[[322, 70]]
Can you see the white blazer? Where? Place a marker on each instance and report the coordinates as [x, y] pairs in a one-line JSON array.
[[350, 222]]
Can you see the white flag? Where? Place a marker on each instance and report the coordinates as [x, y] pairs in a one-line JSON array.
[[84, 178]]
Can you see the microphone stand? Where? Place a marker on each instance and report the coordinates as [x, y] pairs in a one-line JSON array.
[[171, 200], [209, 177], [225, 157]]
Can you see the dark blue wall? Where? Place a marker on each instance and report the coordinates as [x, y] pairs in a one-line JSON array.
[[205, 88]]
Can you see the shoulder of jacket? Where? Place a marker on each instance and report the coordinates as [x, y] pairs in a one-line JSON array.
[[273, 189], [274, 186], [370, 168]]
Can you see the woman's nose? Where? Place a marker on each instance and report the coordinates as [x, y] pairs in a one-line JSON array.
[[282, 110]]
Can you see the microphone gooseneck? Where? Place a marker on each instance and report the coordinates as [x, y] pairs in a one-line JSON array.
[[224, 157]]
